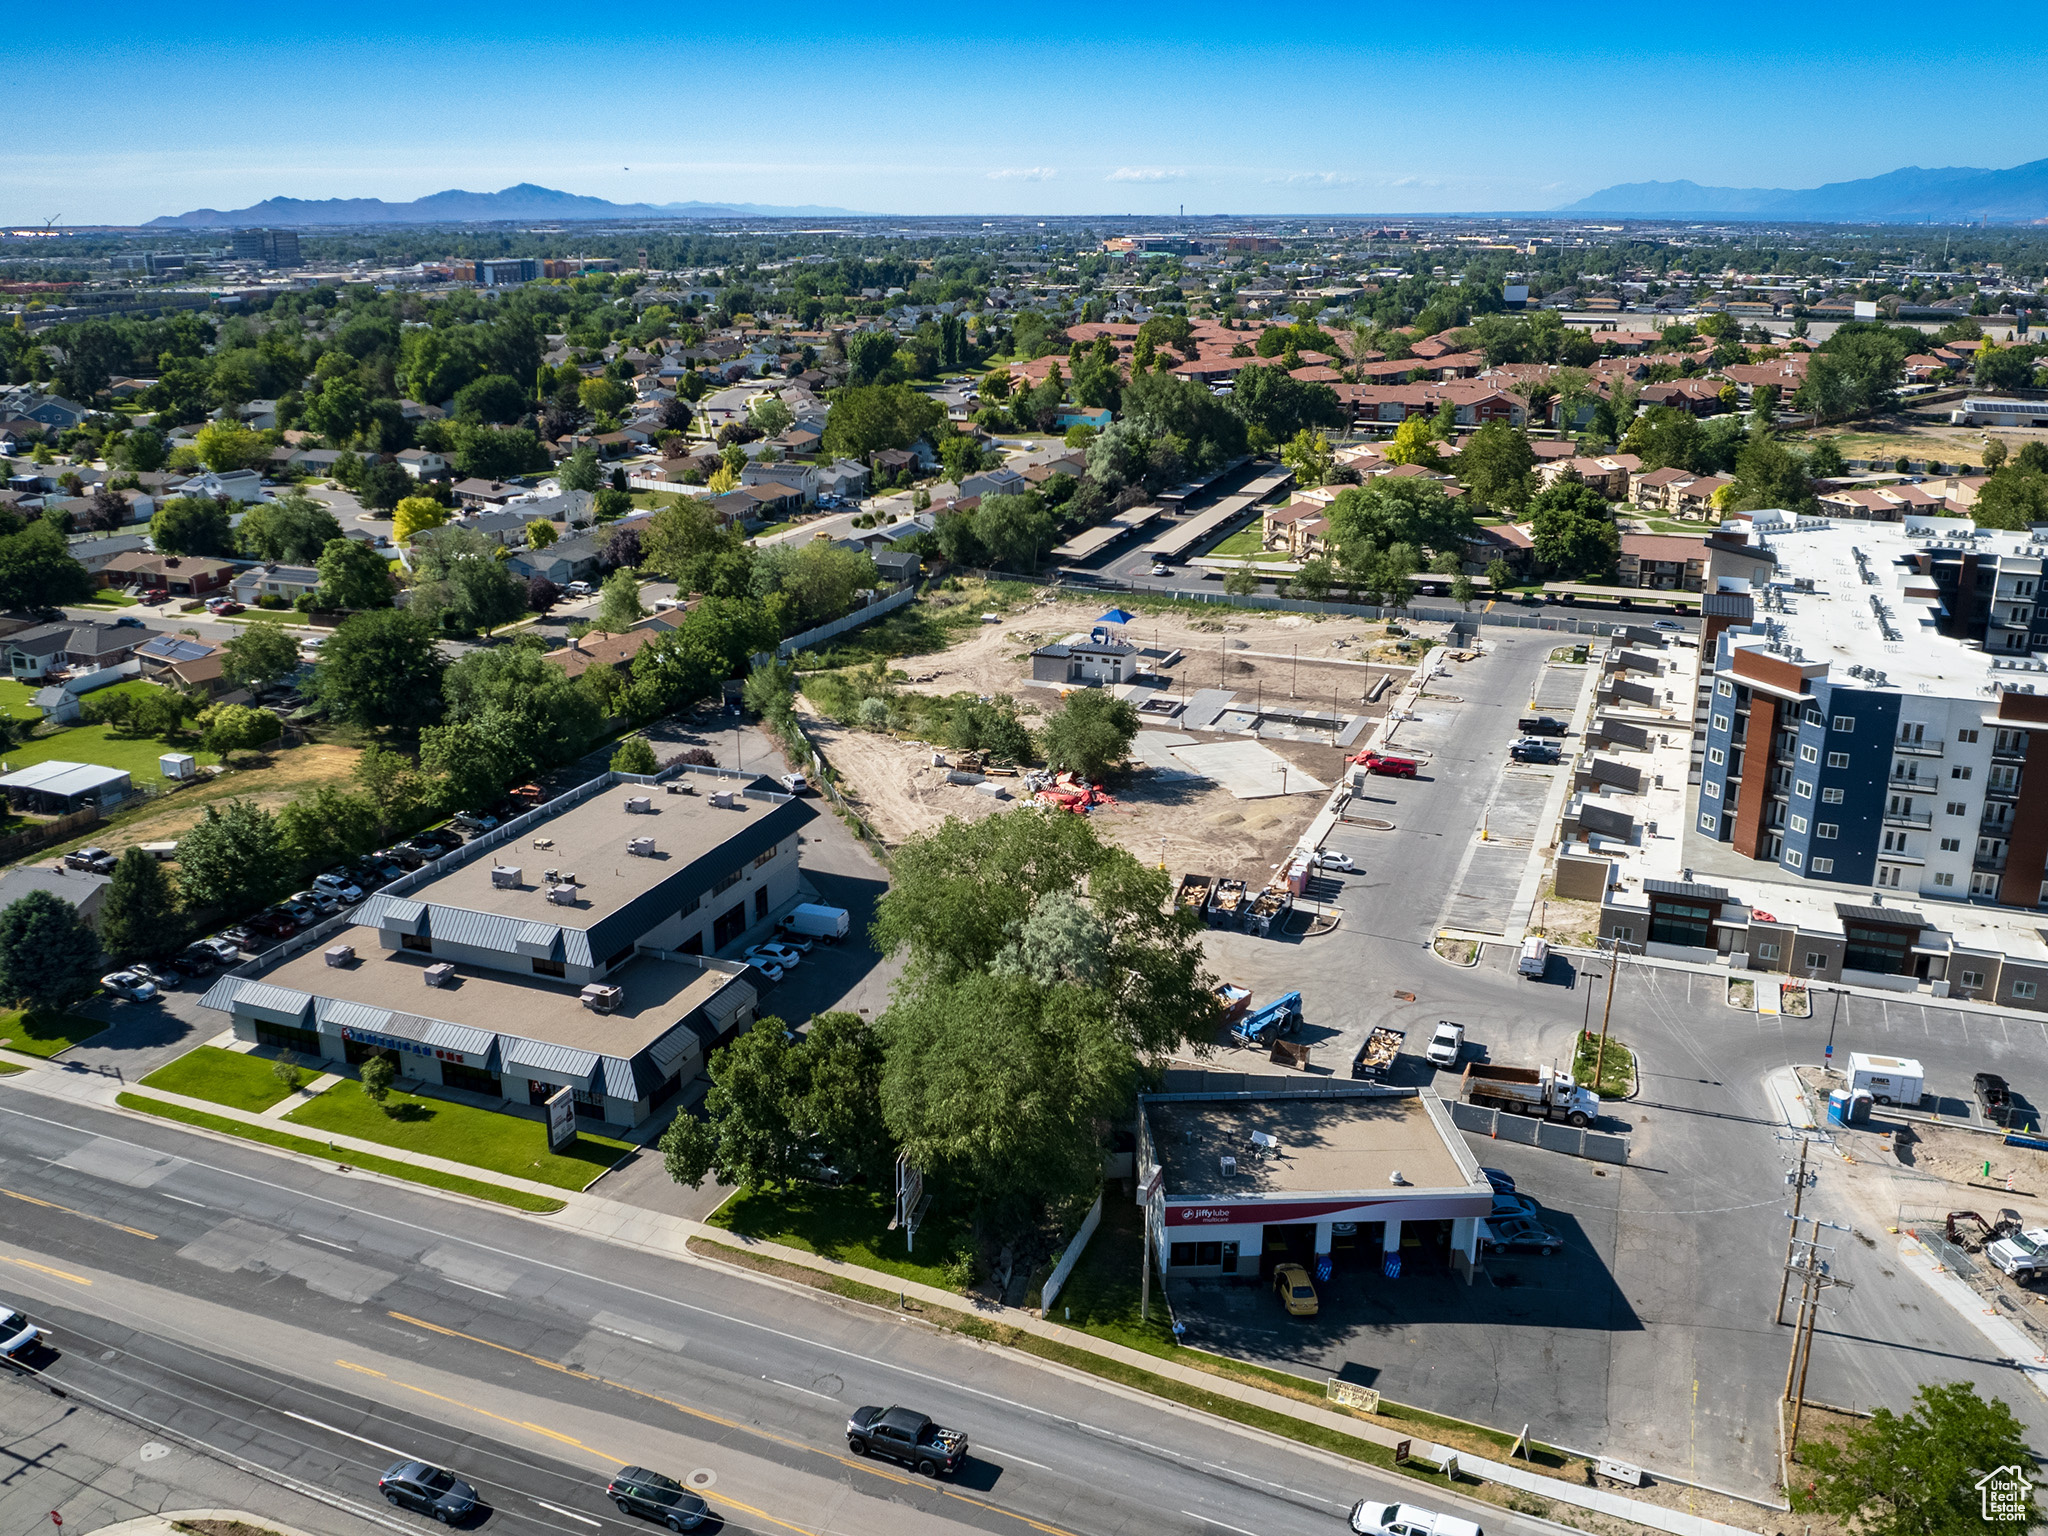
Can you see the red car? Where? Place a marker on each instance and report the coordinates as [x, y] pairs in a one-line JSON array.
[[1395, 767], [273, 924], [221, 610]]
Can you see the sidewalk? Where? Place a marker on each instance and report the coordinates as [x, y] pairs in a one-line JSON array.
[[656, 1232]]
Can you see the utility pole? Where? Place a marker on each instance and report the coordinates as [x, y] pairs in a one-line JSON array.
[[1814, 1278], [1798, 1197]]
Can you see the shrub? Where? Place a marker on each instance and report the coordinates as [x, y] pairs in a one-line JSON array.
[[271, 600]]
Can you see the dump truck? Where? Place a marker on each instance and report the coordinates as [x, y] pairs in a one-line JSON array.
[[1376, 1057], [1529, 1091]]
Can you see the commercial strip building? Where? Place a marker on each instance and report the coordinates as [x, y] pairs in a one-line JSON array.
[[1236, 1182], [573, 948]]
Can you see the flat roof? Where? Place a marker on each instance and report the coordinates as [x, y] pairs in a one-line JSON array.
[[1351, 1143], [658, 993], [590, 840]]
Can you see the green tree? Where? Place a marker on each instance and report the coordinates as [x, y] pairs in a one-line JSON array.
[[526, 713], [1089, 732], [459, 582], [1994, 455], [767, 690], [1573, 532], [1415, 442], [1767, 474], [228, 445], [192, 525], [635, 755], [581, 471], [1824, 462], [260, 653], [232, 860], [496, 397], [286, 1069], [540, 533], [414, 515], [380, 668], [2013, 498], [37, 569], [1308, 455], [395, 785], [139, 912], [1014, 530], [49, 957], [294, 528], [1498, 466], [1243, 580], [869, 355], [328, 824], [619, 606], [1275, 403], [769, 415], [866, 419], [353, 575], [376, 1075], [228, 728], [1916, 1473], [382, 485]]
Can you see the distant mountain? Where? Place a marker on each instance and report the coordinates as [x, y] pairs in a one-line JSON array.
[[2019, 195], [520, 204]]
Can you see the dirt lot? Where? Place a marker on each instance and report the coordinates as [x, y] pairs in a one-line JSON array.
[[1925, 434], [1194, 824]]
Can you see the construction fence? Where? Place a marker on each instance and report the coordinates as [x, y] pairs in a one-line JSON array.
[[1547, 1134]]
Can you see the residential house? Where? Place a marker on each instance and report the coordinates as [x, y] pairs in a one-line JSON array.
[[1650, 487], [1501, 541], [51, 412], [1607, 474], [422, 463], [484, 493], [93, 551], [896, 565], [161, 652], [800, 479], [1697, 397], [1882, 503], [238, 485], [575, 558], [893, 461], [599, 649], [994, 482], [1299, 527], [172, 575], [1695, 498], [83, 889], [1661, 561], [843, 478], [1474, 402], [43, 649], [288, 582]]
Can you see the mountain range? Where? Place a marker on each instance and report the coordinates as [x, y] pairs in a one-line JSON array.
[[518, 204], [1952, 194]]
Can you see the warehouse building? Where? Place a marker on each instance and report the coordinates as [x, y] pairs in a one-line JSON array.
[[1240, 1181], [575, 947]]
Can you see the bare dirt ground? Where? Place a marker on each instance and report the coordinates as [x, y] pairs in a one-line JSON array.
[[1190, 824]]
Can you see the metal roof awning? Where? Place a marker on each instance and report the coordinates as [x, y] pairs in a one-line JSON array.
[[550, 1063], [1888, 917], [1686, 889]]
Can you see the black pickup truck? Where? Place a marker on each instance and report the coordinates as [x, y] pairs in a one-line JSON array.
[[905, 1435]]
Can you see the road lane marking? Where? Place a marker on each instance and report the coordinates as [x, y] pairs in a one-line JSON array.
[[307, 1237], [61, 1274], [180, 1199], [350, 1365], [445, 1280], [51, 1205], [1206, 1520], [566, 1513], [1012, 1456], [345, 1434], [807, 1392]]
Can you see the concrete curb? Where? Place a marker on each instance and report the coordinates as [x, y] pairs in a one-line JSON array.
[[165, 1524]]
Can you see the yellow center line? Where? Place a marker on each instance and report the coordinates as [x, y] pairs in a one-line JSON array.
[[61, 1274], [51, 1205], [886, 1474]]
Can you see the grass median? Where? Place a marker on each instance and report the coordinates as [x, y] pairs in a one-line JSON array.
[[848, 1224], [1617, 1067], [222, 1077], [475, 1189], [460, 1133]]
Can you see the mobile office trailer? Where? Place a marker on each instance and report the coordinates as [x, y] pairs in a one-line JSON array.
[[1889, 1079]]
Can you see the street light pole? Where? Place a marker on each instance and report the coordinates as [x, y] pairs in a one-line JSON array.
[[1833, 1018]]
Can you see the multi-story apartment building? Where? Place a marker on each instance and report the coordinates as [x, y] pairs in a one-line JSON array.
[[1878, 723]]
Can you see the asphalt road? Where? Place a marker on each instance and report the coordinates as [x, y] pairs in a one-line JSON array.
[[323, 1326]]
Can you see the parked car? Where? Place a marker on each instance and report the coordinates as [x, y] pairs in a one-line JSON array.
[[273, 924], [1369, 1519], [651, 1496], [1994, 1097], [1541, 725], [1507, 1207], [430, 1490], [1527, 751], [340, 887], [769, 970], [1330, 858], [1295, 1290], [129, 621], [194, 960], [776, 954], [93, 860], [223, 610], [227, 947], [795, 941], [439, 837], [1503, 1184], [1519, 1232], [404, 857], [905, 1435], [301, 911], [578, 589], [18, 1336], [1667, 624], [164, 975], [1160, 570], [324, 902], [126, 984], [473, 822]]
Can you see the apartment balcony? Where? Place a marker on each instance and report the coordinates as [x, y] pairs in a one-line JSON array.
[[2009, 754], [1918, 748], [1996, 791], [1917, 823], [1989, 863]]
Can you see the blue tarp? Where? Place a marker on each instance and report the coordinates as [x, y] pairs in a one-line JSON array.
[[1117, 616]]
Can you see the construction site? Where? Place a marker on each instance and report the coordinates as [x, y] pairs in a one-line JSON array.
[[1247, 720]]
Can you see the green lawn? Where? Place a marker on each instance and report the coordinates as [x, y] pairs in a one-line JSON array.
[[476, 1189], [108, 597], [225, 1077], [461, 1133], [1243, 542], [848, 1224], [1102, 1295], [14, 700], [103, 745], [34, 1032]]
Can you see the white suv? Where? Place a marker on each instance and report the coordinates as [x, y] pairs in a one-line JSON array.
[[1370, 1519], [1446, 1043]]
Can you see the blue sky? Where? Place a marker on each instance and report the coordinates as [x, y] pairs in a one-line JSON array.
[[136, 111]]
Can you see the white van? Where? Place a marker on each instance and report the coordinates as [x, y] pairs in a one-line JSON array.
[[1535, 959]]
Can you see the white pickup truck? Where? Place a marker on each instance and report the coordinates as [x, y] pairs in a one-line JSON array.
[[2023, 1255], [1446, 1044]]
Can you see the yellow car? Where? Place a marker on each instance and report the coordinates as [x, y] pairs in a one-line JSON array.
[[1291, 1284]]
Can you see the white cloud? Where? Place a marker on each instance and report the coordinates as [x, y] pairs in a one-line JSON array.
[[1144, 173], [1312, 179], [1024, 173]]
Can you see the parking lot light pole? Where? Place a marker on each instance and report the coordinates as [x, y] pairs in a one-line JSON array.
[[1833, 1018]]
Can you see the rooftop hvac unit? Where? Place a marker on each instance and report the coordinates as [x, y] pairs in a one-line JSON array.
[[640, 847], [562, 895], [552, 876], [681, 787], [601, 998], [1229, 1165], [339, 955], [505, 876], [438, 975], [639, 805], [722, 798]]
